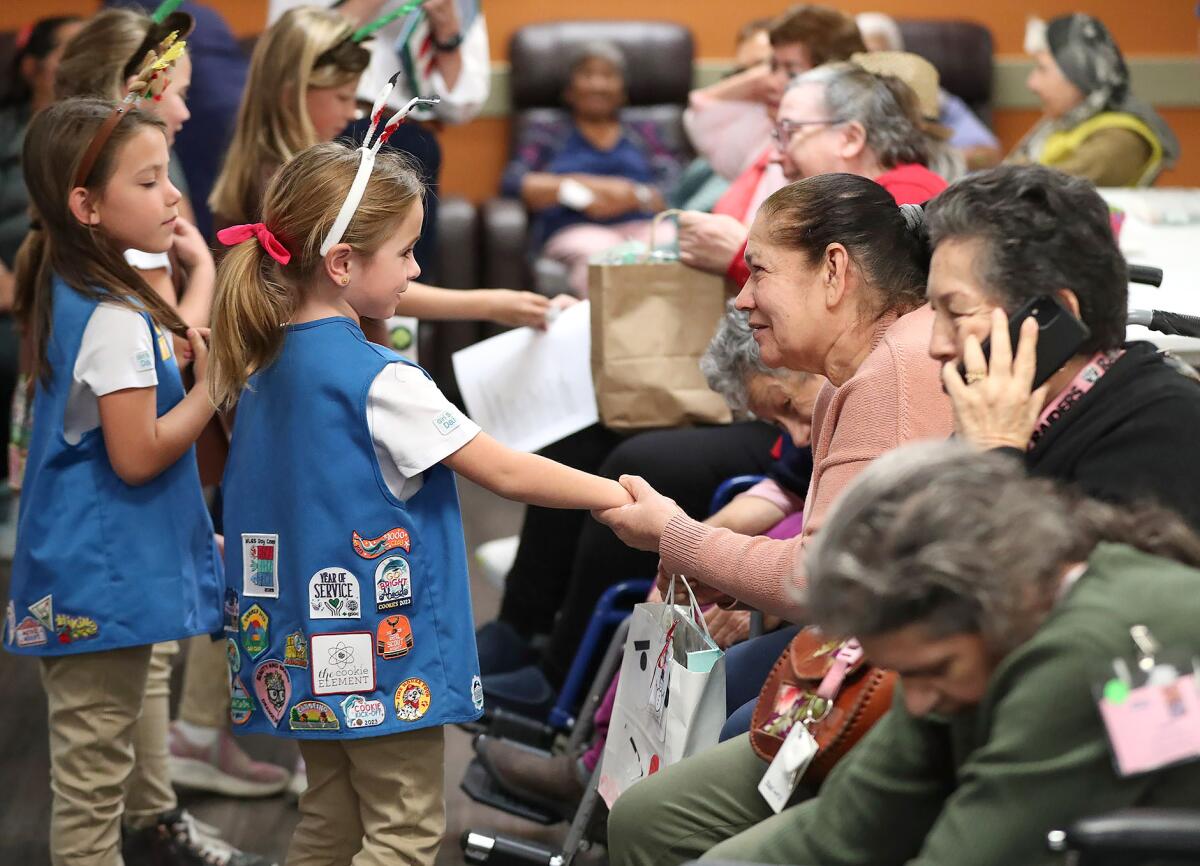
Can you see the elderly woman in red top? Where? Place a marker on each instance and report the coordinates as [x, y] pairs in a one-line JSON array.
[[842, 118]]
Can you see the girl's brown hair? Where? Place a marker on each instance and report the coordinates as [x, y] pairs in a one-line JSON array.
[[96, 61], [256, 296], [307, 47], [59, 244]]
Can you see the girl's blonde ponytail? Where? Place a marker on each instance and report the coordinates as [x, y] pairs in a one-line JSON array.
[[249, 313]]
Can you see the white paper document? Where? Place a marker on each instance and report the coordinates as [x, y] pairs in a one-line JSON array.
[[528, 388]]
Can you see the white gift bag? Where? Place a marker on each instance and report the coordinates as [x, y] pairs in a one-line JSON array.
[[670, 699]]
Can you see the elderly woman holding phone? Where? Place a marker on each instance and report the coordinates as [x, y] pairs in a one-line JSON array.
[[1115, 419]]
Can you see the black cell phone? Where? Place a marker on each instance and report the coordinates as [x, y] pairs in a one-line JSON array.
[[1060, 335]]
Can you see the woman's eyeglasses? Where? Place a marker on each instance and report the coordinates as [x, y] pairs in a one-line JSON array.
[[785, 129]]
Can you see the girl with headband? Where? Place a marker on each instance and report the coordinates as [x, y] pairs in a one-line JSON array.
[[98, 62], [115, 550], [300, 91], [345, 543]]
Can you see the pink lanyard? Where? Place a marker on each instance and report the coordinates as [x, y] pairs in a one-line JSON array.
[[1084, 381]]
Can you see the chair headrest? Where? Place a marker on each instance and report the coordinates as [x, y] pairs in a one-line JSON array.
[[658, 58]]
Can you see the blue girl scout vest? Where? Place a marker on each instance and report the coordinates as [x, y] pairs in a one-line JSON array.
[[348, 611], [101, 565]]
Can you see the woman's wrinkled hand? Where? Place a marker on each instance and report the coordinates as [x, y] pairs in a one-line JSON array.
[[996, 406], [709, 241], [640, 524]]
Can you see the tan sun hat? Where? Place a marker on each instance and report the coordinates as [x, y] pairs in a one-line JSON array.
[[915, 71]]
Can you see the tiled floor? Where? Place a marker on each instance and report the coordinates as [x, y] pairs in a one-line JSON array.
[[263, 826]]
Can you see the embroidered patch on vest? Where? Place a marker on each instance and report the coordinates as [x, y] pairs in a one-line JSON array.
[[233, 657], [31, 633], [43, 611], [373, 548], [312, 716], [394, 637], [260, 565], [412, 699], [273, 687], [255, 638], [295, 650], [232, 605], [393, 583], [241, 705], [333, 594], [361, 713], [477, 692], [74, 628], [342, 663], [10, 621]]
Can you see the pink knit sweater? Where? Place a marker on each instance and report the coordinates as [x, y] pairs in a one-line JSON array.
[[894, 397]]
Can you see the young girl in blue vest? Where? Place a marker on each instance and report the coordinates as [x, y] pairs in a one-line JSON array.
[[114, 545], [345, 558]]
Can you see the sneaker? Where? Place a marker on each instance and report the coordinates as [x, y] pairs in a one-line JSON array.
[[299, 781], [496, 558], [222, 768], [176, 840]]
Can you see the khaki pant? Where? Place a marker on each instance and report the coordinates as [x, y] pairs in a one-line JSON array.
[[373, 802], [108, 714], [705, 807], [204, 698]]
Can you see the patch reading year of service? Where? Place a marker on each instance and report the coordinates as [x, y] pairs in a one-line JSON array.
[[260, 565], [333, 594], [342, 663]]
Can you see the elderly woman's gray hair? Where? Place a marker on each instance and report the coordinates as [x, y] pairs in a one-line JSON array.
[[883, 105], [964, 542], [601, 49], [732, 358]]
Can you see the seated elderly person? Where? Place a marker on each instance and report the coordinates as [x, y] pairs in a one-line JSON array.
[[840, 118], [730, 124], [1116, 418], [1002, 602], [1092, 125], [594, 184], [968, 135]]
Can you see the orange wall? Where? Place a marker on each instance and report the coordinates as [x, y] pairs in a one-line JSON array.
[[474, 154]]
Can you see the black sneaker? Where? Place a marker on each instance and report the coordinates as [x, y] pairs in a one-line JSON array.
[[179, 839]]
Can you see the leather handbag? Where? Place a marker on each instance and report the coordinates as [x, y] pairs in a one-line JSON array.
[[826, 685]]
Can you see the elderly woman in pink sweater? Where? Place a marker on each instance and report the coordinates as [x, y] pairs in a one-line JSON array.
[[837, 288]]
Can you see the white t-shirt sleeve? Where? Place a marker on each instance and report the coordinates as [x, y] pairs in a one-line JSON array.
[[115, 353], [413, 426]]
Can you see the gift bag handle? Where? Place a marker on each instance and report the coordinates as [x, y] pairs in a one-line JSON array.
[[695, 609], [669, 213]]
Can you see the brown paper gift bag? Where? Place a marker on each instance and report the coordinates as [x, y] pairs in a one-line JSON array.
[[651, 322]]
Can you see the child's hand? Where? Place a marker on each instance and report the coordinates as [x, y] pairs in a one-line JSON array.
[[518, 309], [197, 352], [189, 245]]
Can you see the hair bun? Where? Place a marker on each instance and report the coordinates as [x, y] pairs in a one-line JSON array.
[[914, 218]]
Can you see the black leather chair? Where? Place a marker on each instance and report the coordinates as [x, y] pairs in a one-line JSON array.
[[1132, 837], [659, 75], [963, 53]]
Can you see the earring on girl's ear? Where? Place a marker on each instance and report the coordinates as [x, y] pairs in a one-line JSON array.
[[345, 281]]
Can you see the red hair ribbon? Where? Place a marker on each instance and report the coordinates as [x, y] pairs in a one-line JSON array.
[[236, 234]]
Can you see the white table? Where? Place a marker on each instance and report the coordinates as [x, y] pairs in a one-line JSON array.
[[1174, 247]]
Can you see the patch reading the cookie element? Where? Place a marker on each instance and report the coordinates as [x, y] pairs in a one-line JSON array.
[[342, 663], [333, 594], [412, 699]]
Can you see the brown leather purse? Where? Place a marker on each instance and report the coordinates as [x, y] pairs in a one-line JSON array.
[[827, 685]]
